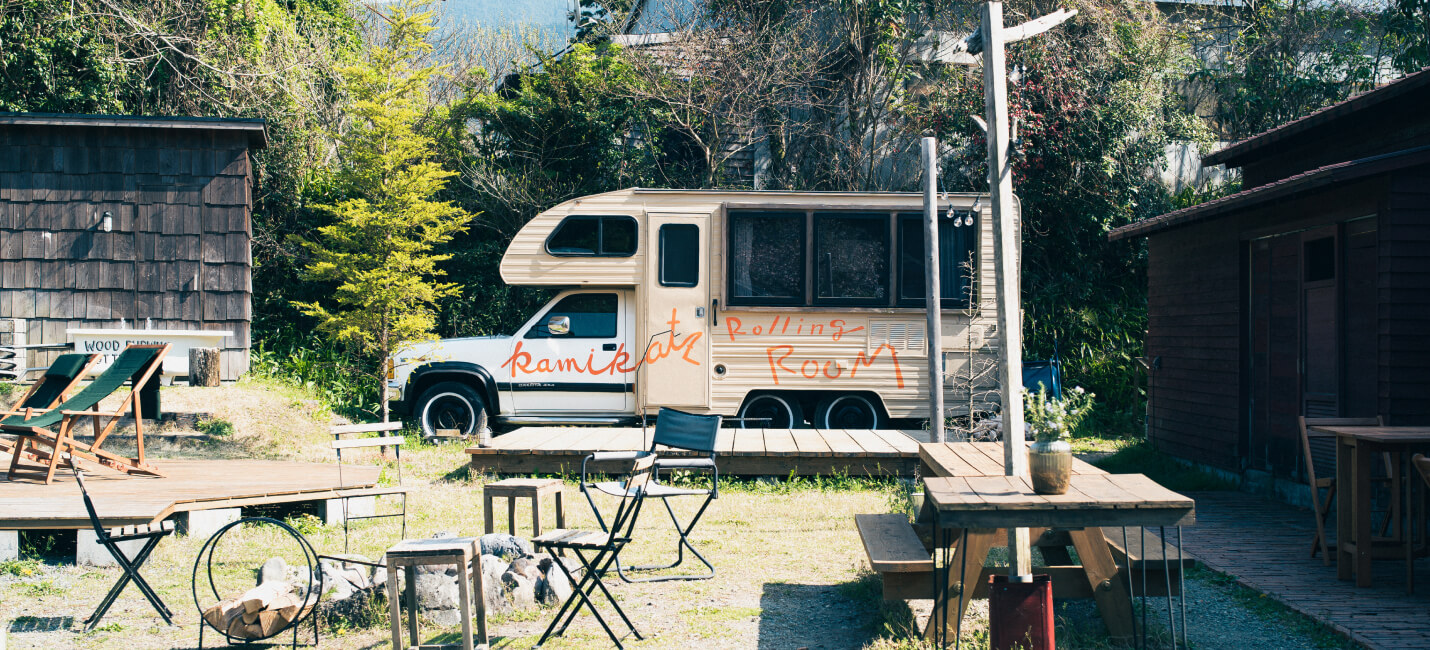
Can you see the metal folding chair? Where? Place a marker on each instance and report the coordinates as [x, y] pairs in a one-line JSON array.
[[673, 430], [382, 442], [605, 546], [110, 538]]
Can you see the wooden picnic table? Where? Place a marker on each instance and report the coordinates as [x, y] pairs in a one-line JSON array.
[[972, 499], [1356, 446]]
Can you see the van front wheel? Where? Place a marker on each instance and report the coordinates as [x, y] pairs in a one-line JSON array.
[[771, 411], [849, 411], [451, 406]]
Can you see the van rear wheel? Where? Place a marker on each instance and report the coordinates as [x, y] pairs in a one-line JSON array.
[[848, 411], [771, 411], [450, 406]]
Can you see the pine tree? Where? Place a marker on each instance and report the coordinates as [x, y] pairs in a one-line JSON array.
[[379, 248]]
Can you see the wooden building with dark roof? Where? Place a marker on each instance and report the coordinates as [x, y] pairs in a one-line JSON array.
[[110, 221], [1306, 293]]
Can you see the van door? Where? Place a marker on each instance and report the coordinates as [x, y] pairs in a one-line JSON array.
[[575, 358], [676, 371]]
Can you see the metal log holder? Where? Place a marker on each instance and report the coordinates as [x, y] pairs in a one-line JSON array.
[[315, 584]]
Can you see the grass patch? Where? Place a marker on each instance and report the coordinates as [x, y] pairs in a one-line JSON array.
[[216, 427], [20, 568], [716, 614], [1140, 457]]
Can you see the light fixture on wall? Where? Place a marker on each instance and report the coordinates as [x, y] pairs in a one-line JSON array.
[[106, 223]]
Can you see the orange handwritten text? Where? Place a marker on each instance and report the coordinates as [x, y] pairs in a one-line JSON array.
[[812, 368], [780, 326]]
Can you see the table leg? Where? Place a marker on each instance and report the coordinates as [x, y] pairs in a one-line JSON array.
[[1108, 590], [394, 605], [968, 562], [535, 516], [511, 516], [1364, 538], [464, 598], [488, 512], [479, 599], [560, 508], [1345, 503], [411, 572]]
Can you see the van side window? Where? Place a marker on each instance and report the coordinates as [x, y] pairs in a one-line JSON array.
[[679, 255], [592, 316], [851, 258], [957, 259], [593, 236], [767, 258]]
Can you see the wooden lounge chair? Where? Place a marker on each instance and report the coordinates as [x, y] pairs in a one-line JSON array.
[[53, 387], [137, 364], [1319, 452]]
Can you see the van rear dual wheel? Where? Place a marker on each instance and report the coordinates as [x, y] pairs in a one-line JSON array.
[[848, 411], [771, 411], [448, 406]]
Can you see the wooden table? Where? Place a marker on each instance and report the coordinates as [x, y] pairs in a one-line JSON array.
[[970, 497], [466, 554], [1356, 446]]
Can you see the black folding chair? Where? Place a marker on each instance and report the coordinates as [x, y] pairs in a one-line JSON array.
[[673, 430], [110, 538], [605, 545]]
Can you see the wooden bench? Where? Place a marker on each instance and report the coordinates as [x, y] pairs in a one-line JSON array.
[[897, 554]]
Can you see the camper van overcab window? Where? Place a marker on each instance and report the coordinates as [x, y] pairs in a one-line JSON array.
[[853, 258], [588, 316], [593, 236]]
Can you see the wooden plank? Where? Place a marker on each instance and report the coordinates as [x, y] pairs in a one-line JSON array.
[[567, 440], [1151, 494], [942, 461], [725, 442], [1106, 492], [1006, 493], [365, 428], [891, 544], [900, 441], [385, 441], [810, 442], [779, 442], [871, 442], [982, 464], [749, 442], [840, 443]]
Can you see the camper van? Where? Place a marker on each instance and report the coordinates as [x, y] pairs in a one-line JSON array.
[[775, 309]]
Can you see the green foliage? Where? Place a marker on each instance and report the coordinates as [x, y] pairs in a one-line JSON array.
[[1056, 419], [54, 60], [379, 249], [1141, 458], [8, 390], [216, 427], [1409, 27], [22, 568], [327, 372]]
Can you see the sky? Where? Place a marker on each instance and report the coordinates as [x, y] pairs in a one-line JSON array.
[[546, 14]]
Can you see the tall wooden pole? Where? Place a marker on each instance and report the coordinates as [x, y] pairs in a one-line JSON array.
[[935, 302], [1005, 241]]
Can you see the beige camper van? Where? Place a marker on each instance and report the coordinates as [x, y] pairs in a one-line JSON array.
[[777, 309]]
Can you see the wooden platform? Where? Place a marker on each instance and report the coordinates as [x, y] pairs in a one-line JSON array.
[[190, 485], [746, 452]]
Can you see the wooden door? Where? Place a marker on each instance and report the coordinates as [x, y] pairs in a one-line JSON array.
[[1359, 321], [1320, 323], [1274, 351]]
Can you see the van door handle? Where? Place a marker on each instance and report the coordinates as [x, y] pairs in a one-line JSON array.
[[608, 347]]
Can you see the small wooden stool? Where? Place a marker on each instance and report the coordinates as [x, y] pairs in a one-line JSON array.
[[412, 553], [530, 488]]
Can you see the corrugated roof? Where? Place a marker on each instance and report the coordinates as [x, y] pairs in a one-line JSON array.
[[1320, 177], [1234, 153], [255, 127]]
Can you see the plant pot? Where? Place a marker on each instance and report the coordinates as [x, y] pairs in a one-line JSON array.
[[1050, 464]]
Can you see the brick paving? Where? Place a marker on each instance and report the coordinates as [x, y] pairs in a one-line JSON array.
[[1266, 545]]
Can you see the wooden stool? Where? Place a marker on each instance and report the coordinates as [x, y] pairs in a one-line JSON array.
[[530, 488], [412, 553]]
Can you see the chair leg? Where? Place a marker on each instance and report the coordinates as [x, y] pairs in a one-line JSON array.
[[131, 573], [581, 595], [680, 545]]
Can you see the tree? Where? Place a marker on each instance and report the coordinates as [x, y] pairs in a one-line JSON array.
[[379, 248]]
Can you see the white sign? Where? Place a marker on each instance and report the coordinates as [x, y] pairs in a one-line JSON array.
[[110, 342]]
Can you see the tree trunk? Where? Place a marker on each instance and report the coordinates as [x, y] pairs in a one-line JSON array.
[[382, 374], [204, 366]]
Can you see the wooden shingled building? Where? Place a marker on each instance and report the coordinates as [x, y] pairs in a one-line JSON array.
[[126, 221], [1305, 293]]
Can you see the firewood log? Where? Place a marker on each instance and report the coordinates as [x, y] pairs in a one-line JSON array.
[[257, 599]]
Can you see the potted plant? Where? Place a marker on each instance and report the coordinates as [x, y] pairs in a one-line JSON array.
[[1052, 421]]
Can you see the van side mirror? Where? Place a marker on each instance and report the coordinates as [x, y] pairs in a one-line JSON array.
[[559, 325]]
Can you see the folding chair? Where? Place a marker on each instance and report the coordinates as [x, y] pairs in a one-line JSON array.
[[673, 430], [137, 364], [605, 545], [1319, 452], [53, 387], [382, 442], [110, 538]]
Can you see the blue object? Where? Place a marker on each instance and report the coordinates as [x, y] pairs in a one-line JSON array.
[[1045, 375]]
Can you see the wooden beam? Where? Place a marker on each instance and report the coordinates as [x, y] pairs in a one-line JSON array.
[[934, 335]]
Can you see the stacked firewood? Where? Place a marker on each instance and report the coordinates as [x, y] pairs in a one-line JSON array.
[[259, 613]]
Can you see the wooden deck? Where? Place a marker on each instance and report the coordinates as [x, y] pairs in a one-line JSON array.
[[745, 452], [189, 485]]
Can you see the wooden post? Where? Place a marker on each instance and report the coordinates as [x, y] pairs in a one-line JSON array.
[[934, 293], [204, 366], [1005, 238]]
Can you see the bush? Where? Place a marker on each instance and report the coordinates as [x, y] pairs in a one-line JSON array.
[[332, 375]]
